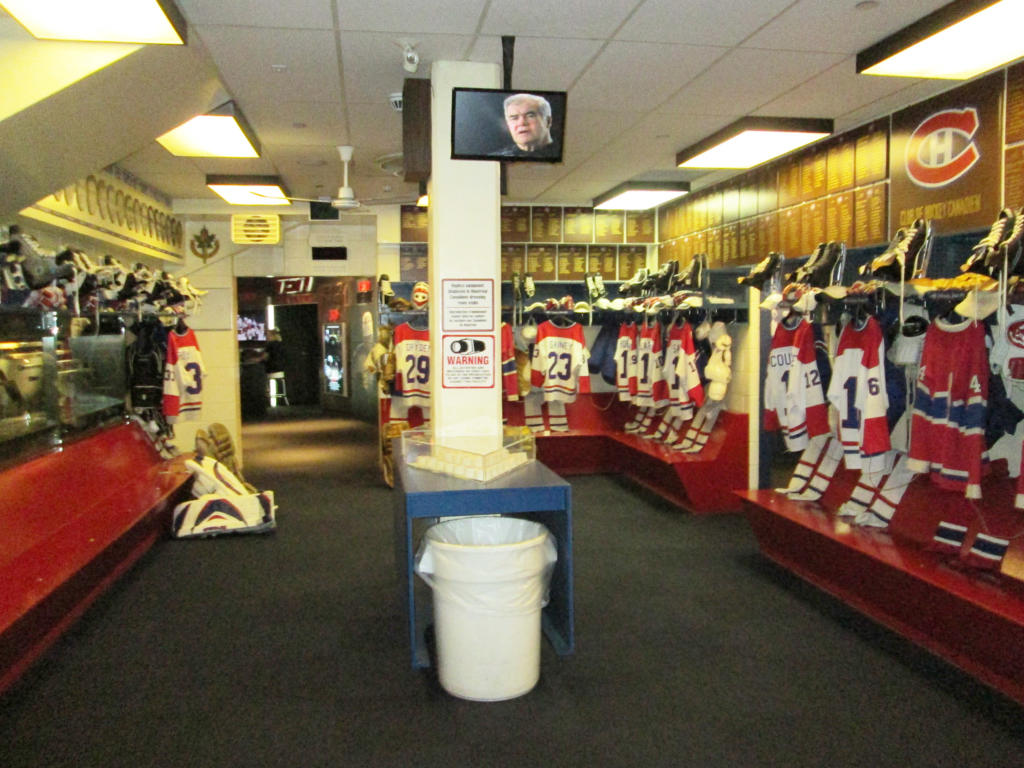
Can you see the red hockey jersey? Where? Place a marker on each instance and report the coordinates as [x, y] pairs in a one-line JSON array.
[[947, 428], [509, 384]]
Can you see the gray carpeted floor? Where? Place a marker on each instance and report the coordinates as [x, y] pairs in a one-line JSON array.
[[289, 650]]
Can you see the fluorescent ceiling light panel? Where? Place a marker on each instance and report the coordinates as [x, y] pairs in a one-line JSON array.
[[640, 195], [249, 190], [222, 132], [957, 42], [751, 141], [103, 21]]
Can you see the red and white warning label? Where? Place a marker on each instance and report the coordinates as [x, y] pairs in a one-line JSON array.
[[468, 361]]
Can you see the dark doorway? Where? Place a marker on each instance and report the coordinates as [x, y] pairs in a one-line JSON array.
[[299, 328]]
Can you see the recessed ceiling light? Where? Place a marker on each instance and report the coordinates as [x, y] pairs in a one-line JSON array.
[[101, 21], [958, 41], [249, 190], [753, 140], [640, 195], [222, 132]]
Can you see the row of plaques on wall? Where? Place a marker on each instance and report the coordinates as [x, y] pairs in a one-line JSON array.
[[551, 224], [832, 168], [544, 261], [857, 218]]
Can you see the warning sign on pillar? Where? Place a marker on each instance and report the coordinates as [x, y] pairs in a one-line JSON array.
[[468, 362], [467, 305]]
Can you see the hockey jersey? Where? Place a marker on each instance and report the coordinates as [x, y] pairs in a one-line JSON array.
[[858, 391], [183, 377], [412, 364], [651, 387], [560, 362], [684, 388], [625, 362], [794, 395], [947, 428], [509, 384]]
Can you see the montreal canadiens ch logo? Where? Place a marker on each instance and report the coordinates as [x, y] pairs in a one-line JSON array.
[[1015, 334], [941, 149]]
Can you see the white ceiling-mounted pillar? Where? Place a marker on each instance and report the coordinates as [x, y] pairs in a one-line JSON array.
[[465, 273]]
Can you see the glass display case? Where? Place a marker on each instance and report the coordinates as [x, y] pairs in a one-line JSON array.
[[58, 374], [470, 458]]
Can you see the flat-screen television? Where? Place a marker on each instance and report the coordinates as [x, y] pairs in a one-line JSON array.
[[252, 326], [508, 125]]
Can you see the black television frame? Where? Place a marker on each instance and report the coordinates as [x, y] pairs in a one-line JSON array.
[[494, 110]]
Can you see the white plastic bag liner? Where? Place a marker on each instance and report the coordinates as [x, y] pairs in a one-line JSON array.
[[490, 577]]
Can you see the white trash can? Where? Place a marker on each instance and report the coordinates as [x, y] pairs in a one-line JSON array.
[[490, 578]]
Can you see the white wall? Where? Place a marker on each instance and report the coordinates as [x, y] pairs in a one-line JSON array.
[[215, 323]]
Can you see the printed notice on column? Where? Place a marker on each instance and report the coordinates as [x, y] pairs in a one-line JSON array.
[[467, 305], [468, 362]]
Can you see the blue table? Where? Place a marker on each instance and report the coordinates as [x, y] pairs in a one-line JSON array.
[[531, 491]]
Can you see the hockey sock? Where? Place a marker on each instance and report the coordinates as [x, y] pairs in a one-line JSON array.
[[868, 486], [662, 431], [948, 538], [634, 423], [882, 508], [673, 423], [804, 470], [556, 416], [532, 410], [646, 419], [987, 551], [658, 432], [700, 429], [822, 474]]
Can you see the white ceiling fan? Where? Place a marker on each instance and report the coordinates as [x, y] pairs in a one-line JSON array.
[[346, 199]]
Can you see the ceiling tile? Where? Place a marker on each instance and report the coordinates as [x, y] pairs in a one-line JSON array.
[[699, 22], [460, 17], [541, 63], [588, 131], [372, 62], [754, 77], [838, 91], [639, 76], [295, 14], [825, 25], [556, 18], [281, 123], [309, 55]]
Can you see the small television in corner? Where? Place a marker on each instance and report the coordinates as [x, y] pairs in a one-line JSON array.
[[519, 125], [252, 326]]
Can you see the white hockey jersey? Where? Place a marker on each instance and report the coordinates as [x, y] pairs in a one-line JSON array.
[[651, 387], [183, 377], [560, 362], [684, 388], [794, 399], [858, 392], [625, 362], [412, 364]]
